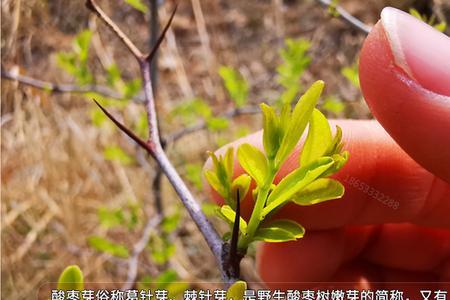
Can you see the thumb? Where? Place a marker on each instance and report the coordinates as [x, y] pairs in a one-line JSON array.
[[405, 79]]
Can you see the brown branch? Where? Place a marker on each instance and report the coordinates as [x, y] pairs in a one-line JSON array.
[[155, 149], [57, 88], [346, 16], [93, 6]]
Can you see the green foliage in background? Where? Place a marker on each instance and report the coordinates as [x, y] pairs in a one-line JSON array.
[[138, 4], [440, 26], [168, 281], [76, 62], [295, 60], [235, 84], [106, 246], [308, 184], [352, 74]]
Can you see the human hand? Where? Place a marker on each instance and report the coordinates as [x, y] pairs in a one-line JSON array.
[[393, 223]]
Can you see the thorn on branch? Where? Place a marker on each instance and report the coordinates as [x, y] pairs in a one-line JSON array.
[[235, 257], [156, 46], [128, 132]]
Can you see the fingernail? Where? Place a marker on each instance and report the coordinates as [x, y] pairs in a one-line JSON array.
[[421, 51]]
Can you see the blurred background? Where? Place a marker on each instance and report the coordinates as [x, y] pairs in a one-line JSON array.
[[74, 190]]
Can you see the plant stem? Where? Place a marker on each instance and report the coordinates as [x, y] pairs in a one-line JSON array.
[[255, 218]]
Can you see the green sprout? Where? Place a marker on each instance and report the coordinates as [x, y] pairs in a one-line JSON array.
[[308, 184]]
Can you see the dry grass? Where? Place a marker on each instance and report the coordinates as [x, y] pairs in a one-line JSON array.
[[54, 175]]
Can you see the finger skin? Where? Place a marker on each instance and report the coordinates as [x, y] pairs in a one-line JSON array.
[[390, 252], [416, 117], [382, 184]]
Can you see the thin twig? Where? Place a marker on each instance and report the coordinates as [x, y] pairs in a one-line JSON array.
[[137, 250], [105, 91], [66, 88], [155, 149], [346, 16], [92, 5], [235, 112]]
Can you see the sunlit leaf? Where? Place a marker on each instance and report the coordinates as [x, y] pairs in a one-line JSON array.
[[273, 235], [71, 279], [228, 214], [318, 139], [253, 161], [241, 183], [272, 134], [236, 290], [215, 183], [339, 162], [292, 227], [295, 182], [300, 118], [320, 190]]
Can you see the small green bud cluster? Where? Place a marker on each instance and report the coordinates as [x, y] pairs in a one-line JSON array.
[[308, 184]]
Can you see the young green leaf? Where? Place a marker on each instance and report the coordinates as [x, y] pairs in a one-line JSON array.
[[318, 139], [236, 290], [300, 118], [220, 177], [254, 162], [339, 162], [293, 227], [241, 183], [272, 134], [295, 182], [228, 214], [71, 279], [320, 190], [215, 183], [335, 146], [228, 162], [273, 235]]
